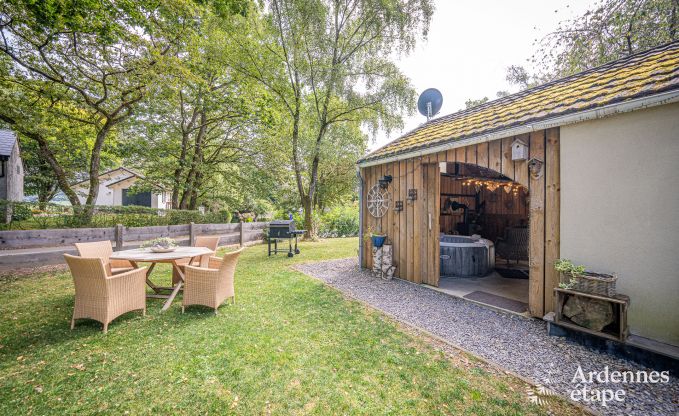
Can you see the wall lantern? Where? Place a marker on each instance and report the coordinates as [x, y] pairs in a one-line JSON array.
[[385, 181], [535, 167], [398, 207], [519, 150]]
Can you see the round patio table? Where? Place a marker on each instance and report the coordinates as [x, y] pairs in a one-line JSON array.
[[143, 255]]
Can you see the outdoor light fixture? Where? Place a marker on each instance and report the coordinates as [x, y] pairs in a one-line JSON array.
[[385, 181], [398, 207]]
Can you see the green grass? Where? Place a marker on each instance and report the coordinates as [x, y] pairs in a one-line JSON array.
[[290, 345]]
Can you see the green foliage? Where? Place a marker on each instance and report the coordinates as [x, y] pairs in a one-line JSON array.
[[568, 271], [609, 30], [340, 221], [567, 267], [475, 103], [45, 216], [164, 242], [21, 213], [329, 71]]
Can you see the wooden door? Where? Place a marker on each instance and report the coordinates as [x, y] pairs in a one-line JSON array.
[[431, 184]]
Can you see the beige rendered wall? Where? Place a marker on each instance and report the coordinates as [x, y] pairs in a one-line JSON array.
[[620, 210]]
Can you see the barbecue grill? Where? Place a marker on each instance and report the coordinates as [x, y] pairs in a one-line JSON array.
[[283, 230]]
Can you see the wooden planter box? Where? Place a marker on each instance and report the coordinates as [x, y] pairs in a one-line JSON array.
[[620, 305]]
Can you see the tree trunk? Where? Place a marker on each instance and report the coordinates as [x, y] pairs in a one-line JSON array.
[[309, 225], [49, 157], [196, 161], [95, 162], [181, 167]]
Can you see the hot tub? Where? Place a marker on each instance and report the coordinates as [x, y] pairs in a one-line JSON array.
[[463, 256]]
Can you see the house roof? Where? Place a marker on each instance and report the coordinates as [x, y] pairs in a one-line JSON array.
[[108, 172], [123, 180], [641, 75], [7, 141]]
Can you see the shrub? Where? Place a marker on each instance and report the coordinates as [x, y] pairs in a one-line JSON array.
[[340, 221], [27, 216]]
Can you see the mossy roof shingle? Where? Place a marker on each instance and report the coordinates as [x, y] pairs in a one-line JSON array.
[[640, 75]]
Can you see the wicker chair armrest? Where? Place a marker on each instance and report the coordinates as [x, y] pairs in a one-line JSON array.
[[116, 263], [214, 262], [203, 272], [140, 272]]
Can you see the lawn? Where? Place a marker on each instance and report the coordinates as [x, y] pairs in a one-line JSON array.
[[290, 345]]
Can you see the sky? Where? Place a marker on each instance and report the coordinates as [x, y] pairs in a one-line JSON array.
[[470, 45]]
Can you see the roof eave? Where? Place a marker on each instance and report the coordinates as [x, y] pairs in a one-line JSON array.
[[580, 116]]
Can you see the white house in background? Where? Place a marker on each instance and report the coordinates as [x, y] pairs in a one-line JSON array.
[[114, 190], [11, 168]]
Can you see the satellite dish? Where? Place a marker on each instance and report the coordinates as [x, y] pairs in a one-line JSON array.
[[430, 102]]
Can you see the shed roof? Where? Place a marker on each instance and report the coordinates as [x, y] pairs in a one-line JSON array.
[[7, 140], [641, 75]]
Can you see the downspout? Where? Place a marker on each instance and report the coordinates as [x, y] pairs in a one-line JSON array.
[[360, 216]]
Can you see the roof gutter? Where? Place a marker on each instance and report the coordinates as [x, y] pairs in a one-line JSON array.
[[593, 114]]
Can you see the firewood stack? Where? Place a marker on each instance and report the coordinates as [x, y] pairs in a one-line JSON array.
[[382, 262]]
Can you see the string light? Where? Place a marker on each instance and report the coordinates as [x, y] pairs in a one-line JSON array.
[[492, 186]]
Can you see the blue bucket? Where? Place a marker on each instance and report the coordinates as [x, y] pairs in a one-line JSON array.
[[378, 240]]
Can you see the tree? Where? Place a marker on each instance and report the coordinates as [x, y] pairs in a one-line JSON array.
[[610, 30], [202, 121], [90, 62], [335, 67], [471, 103]]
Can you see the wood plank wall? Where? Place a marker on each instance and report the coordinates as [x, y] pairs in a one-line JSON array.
[[408, 230], [502, 209]]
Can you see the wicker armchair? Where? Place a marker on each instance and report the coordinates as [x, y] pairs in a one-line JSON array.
[[103, 250], [209, 241], [514, 245], [104, 297], [213, 285]]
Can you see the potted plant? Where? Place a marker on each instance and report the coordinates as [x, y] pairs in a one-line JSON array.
[[578, 278], [160, 245], [377, 240]]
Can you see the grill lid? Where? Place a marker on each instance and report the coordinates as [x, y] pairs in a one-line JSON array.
[[281, 223]]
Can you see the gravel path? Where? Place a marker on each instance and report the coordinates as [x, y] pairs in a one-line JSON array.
[[515, 343]]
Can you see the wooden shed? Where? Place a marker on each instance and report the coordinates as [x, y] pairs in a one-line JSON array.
[[467, 156]]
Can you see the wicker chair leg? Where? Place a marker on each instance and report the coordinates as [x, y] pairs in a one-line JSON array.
[[143, 312], [72, 323], [215, 311], [182, 308], [106, 327]]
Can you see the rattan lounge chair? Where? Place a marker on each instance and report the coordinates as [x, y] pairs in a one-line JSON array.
[[103, 250], [213, 285], [209, 241], [104, 297]]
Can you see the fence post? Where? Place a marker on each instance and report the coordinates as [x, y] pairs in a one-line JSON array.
[[242, 234], [119, 236], [192, 233]]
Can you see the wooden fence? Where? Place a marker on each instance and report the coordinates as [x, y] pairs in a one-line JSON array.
[[31, 248]]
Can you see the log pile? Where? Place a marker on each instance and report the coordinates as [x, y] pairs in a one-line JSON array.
[[382, 262]]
